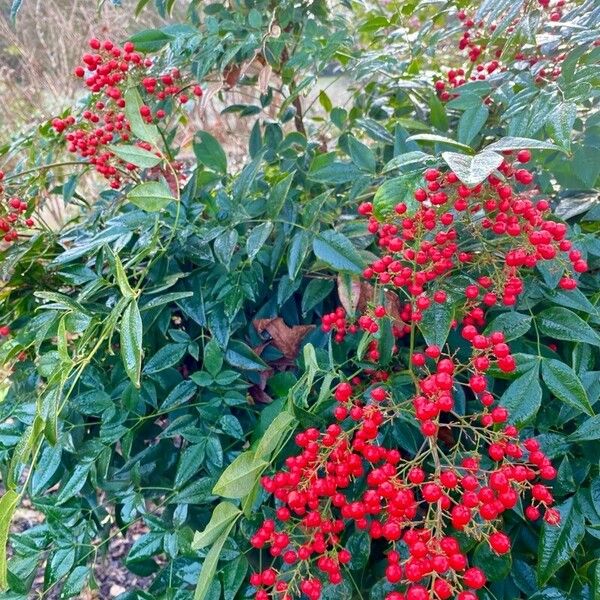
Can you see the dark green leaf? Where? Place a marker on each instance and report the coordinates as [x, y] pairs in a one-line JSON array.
[[561, 121], [563, 324], [512, 324], [209, 152], [277, 196], [213, 357], [471, 123], [436, 322], [167, 356], [362, 156], [563, 382], [523, 397], [224, 246], [316, 291], [75, 582], [335, 173], [495, 566], [257, 238], [239, 355], [299, 247], [589, 430], [337, 251], [558, 542]]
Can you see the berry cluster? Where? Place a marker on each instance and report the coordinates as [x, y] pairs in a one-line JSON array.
[[471, 467], [13, 215], [108, 71], [474, 40], [421, 249]]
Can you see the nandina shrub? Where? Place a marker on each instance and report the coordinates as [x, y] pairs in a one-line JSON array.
[[362, 365]]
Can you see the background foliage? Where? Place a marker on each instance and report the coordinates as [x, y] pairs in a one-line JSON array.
[[150, 348]]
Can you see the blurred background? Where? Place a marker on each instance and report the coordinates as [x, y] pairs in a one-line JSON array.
[[39, 51]]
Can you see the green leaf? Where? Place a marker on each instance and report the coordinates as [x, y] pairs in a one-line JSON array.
[[472, 170], [131, 342], [166, 299], [75, 582], [560, 123], [563, 382], [563, 324], [436, 322], [335, 173], [520, 143], [60, 563], [239, 355], [362, 156], [240, 476], [386, 340], [512, 324], [396, 190], [523, 397], [549, 594], [438, 139], [359, 546], [233, 577], [121, 276], [139, 7], [29, 440], [151, 196], [316, 291], [257, 238], [213, 357], [281, 425], [337, 251], [189, 463], [149, 40], [75, 482], [146, 546], [167, 356], [558, 542], [46, 467], [325, 101], [299, 247], [8, 505], [209, 152], [209, 566], [136, 156], [437, 113], [471, 123], [495, 566], [277, 196], [589, 430], [231, 426], [224, 246], [222, 517], [375, 131], [142, 130], [408, 158]]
